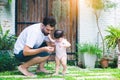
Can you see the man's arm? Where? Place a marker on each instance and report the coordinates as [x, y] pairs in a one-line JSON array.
[[27, 51]]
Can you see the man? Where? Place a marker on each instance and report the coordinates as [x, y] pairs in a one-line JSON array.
[[29, 47]]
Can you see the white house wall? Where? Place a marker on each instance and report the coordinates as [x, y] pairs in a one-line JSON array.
[[87, 28], [7, 20], [117, 12], [86, 24]]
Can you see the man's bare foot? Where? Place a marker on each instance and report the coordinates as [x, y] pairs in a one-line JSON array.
[[25, 71], [42, 70]]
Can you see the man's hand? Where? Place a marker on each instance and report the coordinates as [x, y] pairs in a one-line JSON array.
[[49, 49]]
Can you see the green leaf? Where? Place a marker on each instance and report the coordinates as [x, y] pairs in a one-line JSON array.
[[7, 40], [1, 31], [113, 36], [9, 1]]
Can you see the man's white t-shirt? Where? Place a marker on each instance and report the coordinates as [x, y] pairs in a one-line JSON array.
[[31, 36]]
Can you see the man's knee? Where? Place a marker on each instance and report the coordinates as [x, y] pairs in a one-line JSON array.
[[41, 58], [44, 54]]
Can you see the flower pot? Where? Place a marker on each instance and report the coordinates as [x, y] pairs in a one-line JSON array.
[[89, 60], [104, 63]]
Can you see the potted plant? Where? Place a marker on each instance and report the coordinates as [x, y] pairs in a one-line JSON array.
[[90, 53], [113, 38], [7, 60], [98, 6]]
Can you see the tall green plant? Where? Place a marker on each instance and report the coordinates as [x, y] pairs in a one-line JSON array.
[[7, 59], [98, 6], [113, 38], [7, 40]]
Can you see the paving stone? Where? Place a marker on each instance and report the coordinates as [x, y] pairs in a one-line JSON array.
[[9, 76], [94, 77], [46, 79]]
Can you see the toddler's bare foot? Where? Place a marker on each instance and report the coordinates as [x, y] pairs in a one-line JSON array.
[[63, 73], [55, 74], [25, 71]]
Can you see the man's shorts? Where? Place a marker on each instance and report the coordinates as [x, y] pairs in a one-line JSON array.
[[23, 58]]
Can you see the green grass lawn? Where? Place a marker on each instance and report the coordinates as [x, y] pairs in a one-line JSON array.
[[73, 73]]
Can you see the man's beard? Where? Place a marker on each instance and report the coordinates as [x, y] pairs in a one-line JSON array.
[[46, 34], [43, 31]]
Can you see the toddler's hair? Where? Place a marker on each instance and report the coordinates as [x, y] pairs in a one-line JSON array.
[[58, 33]]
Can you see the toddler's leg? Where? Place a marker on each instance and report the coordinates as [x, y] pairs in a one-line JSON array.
[[64, 64], [57, 66]]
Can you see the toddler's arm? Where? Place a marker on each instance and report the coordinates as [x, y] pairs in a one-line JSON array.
[[50, 38], [66, 43], [52, 41]]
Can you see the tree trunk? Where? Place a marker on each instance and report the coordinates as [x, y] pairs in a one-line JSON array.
[[118, 53], [97, 22]]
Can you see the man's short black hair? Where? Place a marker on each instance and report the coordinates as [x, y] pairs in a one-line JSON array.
[[58, 33], [49, 21]]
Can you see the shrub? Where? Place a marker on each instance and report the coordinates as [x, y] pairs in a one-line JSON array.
[[7, 59], [7, 40], [89, 48]]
